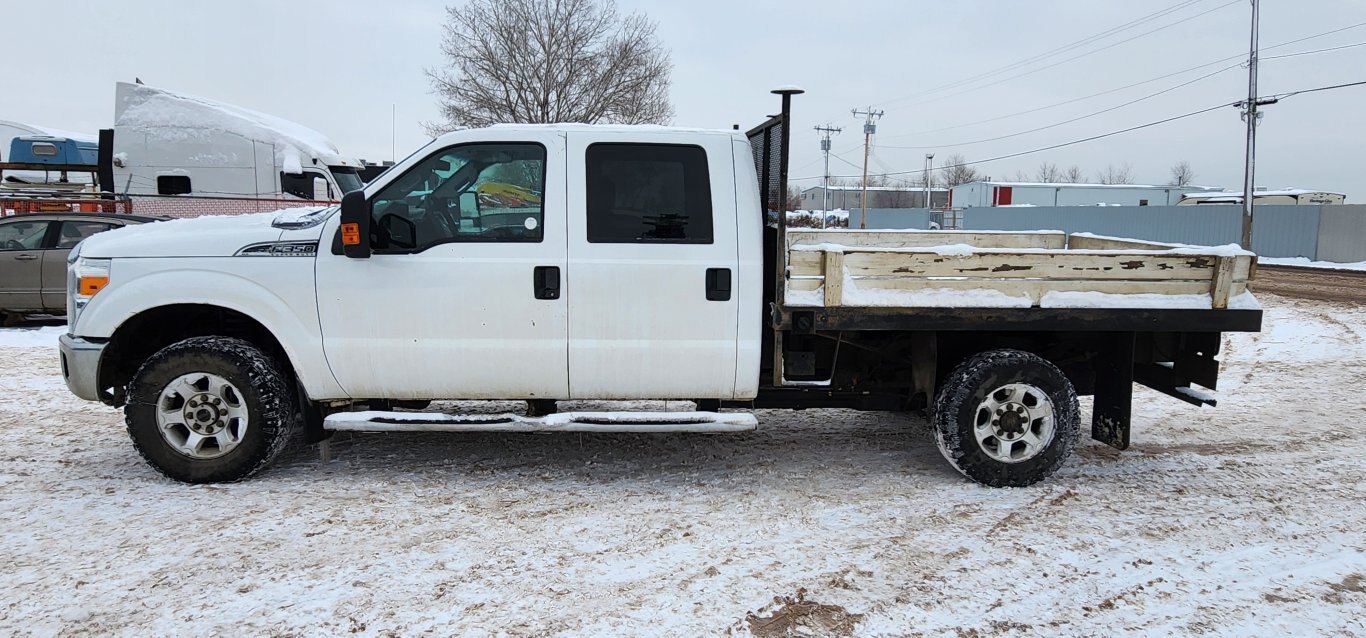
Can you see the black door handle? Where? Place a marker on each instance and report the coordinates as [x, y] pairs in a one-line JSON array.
[[718, 284], [545, 282], [25, 257]]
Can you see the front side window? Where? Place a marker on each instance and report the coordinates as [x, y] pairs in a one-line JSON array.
[[304, 185], [470, 193], [648, 193], [23, 235]]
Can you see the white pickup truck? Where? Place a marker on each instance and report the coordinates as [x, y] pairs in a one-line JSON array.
[[545, 263]]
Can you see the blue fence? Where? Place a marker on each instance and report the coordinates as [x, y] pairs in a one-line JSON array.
[[1329, 233]]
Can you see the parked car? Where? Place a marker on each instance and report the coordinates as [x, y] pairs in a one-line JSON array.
[[33, 250]]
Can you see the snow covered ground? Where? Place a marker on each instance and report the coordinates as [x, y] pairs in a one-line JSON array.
[[1243, 520], [1305, 262]]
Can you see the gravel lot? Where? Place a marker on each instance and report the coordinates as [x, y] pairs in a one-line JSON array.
[[1245, 519]]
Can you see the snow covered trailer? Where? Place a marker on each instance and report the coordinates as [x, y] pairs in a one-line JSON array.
[[168, 143]]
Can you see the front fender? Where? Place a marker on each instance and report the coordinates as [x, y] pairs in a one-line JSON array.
[[278, 292]]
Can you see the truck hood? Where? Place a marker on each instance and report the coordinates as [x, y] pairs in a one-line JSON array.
[[208, 236]]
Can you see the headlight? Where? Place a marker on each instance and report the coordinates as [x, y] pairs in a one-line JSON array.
[[88, 277]]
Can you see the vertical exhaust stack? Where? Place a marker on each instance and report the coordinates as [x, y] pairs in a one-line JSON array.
[[104, 163]]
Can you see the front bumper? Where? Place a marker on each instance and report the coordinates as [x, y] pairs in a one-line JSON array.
[[81, 366]]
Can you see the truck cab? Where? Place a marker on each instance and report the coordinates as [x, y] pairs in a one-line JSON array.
[[631, 273]]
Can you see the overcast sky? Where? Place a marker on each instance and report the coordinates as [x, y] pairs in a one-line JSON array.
[[341, 66]]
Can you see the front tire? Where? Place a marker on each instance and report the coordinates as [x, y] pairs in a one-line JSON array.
[[210, 410], [1006, 418]]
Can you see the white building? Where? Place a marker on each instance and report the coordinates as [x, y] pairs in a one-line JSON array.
[[1043, 194], [850, 197]]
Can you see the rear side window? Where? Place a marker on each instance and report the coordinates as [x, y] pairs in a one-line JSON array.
[[173, 184], [73, 232], [648, 193]]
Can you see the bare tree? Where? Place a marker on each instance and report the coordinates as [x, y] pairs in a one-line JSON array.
[[954, 171], [794, 198], [1073, 175], [1111, 175], [1048, 173], [542, 61], [1182, 174], [1021, 176]]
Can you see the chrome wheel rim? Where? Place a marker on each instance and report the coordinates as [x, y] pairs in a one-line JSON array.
[[201, 415], [1014, 423]]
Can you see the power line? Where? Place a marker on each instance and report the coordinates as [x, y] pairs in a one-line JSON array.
[[1299, 53], [1240, 56], [1278, 96], [1047, 54], [1075, 119], [1076, 57], [1061, 145], [1282, 96]]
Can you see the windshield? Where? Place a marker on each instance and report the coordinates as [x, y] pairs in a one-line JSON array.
[[347, 178]]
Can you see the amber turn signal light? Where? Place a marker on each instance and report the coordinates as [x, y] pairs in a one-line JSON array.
[[350, 234], [91, 285]]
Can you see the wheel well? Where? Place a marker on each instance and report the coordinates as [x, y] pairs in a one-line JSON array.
[[151, 330]]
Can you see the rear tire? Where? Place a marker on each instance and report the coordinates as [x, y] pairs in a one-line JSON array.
[[1006, 418], [210, 410]]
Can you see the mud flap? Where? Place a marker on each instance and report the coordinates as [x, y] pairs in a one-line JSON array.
[[1114, 391]]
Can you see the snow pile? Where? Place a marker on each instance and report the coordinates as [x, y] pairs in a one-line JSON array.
[[1307, 263], [175, 117], [44, 337], [1151, 301], [952, 250]]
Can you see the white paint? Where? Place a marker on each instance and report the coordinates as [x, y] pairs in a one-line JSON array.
[[639, 321], [457, 320]]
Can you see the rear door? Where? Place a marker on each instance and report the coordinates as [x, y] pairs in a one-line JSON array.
[[652, 261], [21, 262]]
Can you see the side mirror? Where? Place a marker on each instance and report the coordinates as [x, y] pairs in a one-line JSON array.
[[469, 205], [355, 225], [321, 192]]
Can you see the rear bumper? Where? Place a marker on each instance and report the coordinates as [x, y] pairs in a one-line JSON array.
[[81, 366]]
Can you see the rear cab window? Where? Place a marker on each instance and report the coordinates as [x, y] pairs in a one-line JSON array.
[[648, 193]]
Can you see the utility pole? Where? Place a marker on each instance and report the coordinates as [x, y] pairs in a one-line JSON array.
[[869, 128], [826, 131], [1251, 115], [929, 166]]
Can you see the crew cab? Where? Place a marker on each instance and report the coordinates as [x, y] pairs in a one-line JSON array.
[[557, 262]]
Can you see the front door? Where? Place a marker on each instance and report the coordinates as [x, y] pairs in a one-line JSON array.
[[652, 256], [21, 263], [461, 298]]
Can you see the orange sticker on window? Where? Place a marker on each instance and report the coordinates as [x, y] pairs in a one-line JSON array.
[[350, 234]]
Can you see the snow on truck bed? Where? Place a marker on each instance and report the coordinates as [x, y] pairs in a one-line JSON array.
[[1243, 520], [999, 269]]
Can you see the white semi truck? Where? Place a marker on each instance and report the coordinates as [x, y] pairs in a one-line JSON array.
[[566, 262], [168, 143]]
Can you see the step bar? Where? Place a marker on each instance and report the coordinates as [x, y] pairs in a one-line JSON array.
[[375, 421]]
